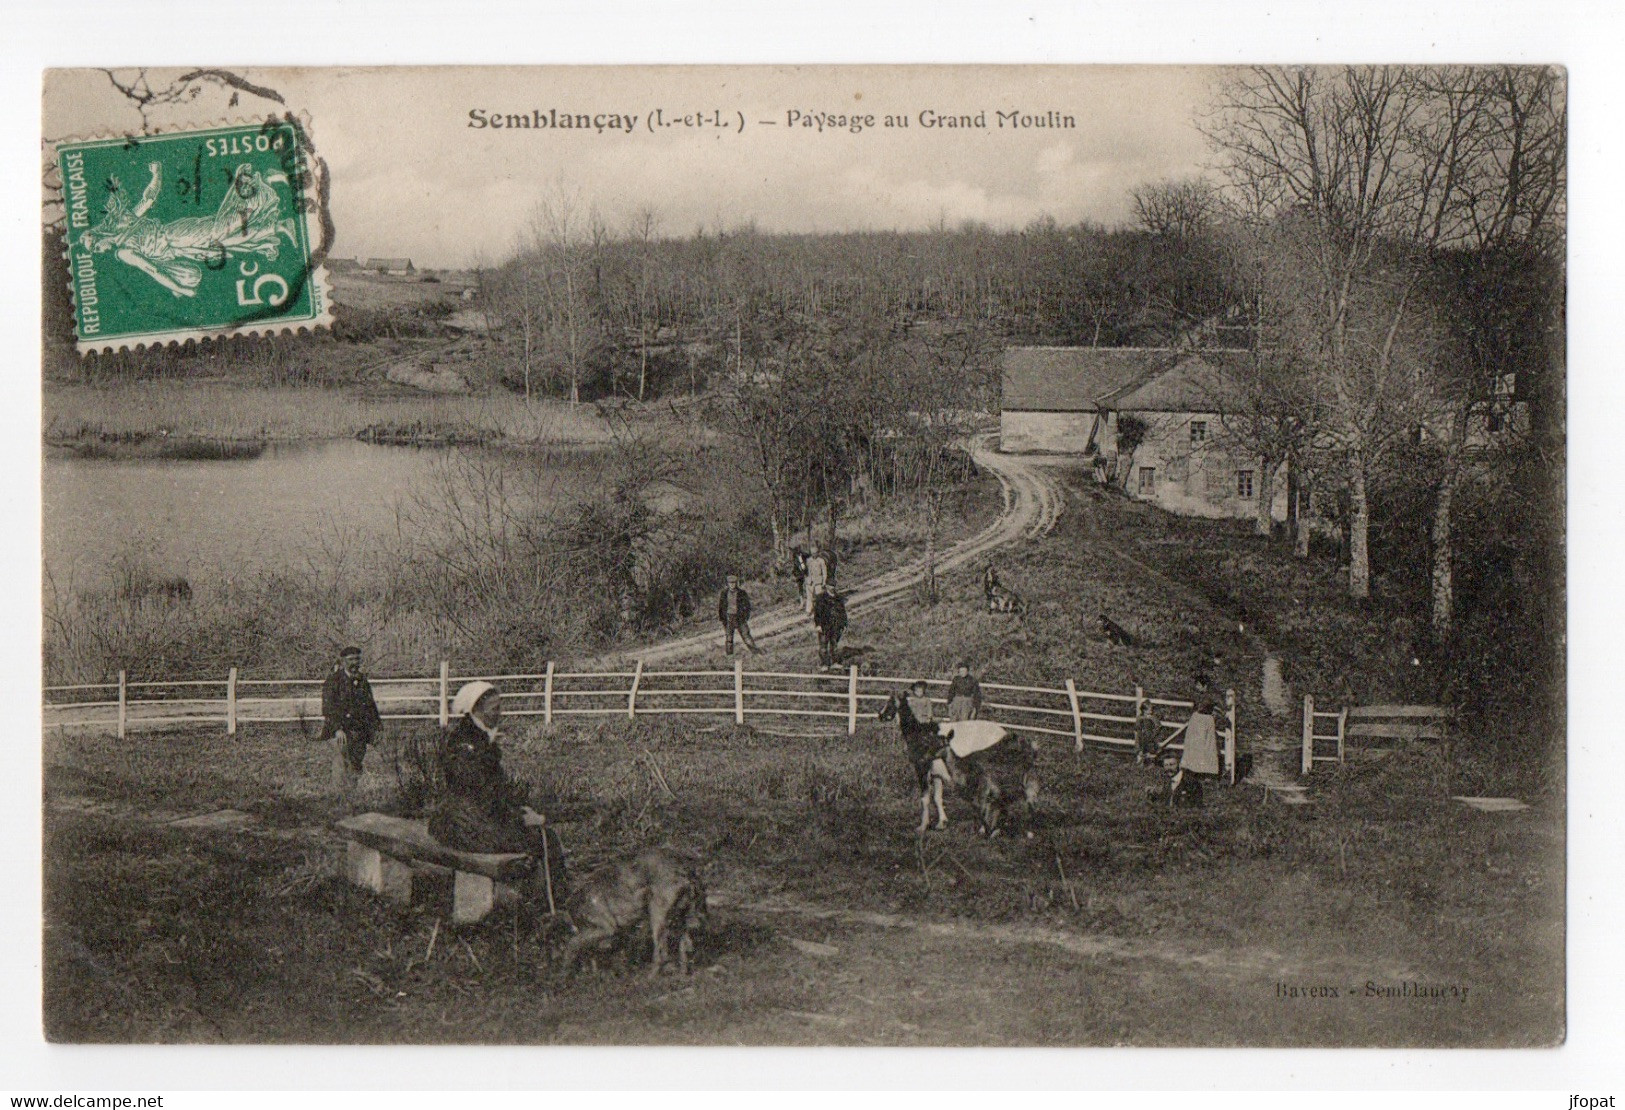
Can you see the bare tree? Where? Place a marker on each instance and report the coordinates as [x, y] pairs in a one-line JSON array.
[[1179, 209], [1361, 173], [643, 230], [568, 237]]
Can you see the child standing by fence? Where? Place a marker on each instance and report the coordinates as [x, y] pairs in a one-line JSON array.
[[964, 694]]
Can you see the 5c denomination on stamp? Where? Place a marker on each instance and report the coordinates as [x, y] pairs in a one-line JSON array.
[[194, 234]]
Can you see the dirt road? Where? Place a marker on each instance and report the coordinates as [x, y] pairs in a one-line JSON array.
[[1032, 504]]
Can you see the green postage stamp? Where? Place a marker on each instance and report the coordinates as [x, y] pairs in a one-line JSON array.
[[194, 234]]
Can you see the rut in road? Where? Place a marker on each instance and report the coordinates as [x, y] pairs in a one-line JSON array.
[[1032, 504]]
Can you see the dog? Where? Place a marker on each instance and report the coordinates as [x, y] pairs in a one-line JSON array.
[[1006, 601], [1115, 632], [658, 885]]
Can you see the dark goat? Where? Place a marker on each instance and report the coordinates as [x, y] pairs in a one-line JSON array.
[[985, 777]]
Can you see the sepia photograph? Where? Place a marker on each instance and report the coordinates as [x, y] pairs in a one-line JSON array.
[[828, 555]]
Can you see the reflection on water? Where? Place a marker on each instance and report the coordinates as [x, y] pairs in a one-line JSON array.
[[217, 519], [1277, 698]]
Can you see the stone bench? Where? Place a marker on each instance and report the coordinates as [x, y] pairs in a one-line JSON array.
[[383, 853]]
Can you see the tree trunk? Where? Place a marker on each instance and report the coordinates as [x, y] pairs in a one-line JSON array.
[[527, 358], [1300, 533], [1359, 530], [781, 543], [1264, 521], [1443, 591]]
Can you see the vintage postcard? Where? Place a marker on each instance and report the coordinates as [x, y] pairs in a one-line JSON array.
[[905, 556]]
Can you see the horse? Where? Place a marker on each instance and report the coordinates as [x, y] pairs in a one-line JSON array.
[[983, 760]]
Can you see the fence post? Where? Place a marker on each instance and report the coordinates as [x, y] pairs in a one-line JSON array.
[[1077, 718], [1342, 731], [739, 691], [632, 698], [1139, 707], [123, 701], [231, 702], [1230, 737], [445, 689], [1308, 733], [547, 695], [852, 701]]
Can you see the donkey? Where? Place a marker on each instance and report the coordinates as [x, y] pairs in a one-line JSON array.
[[984, 761]]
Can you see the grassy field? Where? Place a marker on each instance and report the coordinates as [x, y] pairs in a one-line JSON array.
[[1119, 922]]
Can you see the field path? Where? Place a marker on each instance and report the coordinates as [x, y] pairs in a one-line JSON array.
[[1032, 504], [1247, 961]]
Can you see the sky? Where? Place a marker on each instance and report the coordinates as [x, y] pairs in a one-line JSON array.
[[414, 174]]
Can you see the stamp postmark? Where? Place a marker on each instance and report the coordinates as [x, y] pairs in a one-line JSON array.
[[193, 234]]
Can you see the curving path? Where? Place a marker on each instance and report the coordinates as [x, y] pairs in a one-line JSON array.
[[1032, 504], [1033, 501]]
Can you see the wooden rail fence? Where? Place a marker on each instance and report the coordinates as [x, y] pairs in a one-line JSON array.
[[1066, 712], [1326, 734]]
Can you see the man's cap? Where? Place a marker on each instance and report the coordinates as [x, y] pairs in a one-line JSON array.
[[349, 651], [469, 696]]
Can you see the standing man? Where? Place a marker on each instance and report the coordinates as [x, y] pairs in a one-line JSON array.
[[348, 708], [733, 610], [829, 614], [964, 694]]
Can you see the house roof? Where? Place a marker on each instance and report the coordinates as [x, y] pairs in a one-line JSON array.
[[1073, 379], [389, 263], [1194, 382]]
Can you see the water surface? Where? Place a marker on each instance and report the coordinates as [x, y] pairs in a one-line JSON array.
[[210, 520]]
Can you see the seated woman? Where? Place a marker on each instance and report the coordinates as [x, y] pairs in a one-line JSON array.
[[480, 808]]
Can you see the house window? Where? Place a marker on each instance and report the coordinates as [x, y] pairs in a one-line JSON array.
[[1148, 480], [1198, 431], [1244, 484]]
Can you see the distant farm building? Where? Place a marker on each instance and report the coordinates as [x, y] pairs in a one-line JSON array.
[[397, 266], [343, 264], [1070, 400]]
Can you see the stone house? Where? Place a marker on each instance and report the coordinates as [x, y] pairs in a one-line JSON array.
[[1072, 400]]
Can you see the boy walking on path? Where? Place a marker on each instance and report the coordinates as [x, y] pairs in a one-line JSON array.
[[733, 610], [964, 694], [350, 717]]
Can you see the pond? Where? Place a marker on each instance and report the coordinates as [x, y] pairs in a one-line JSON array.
[[212, 520]]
